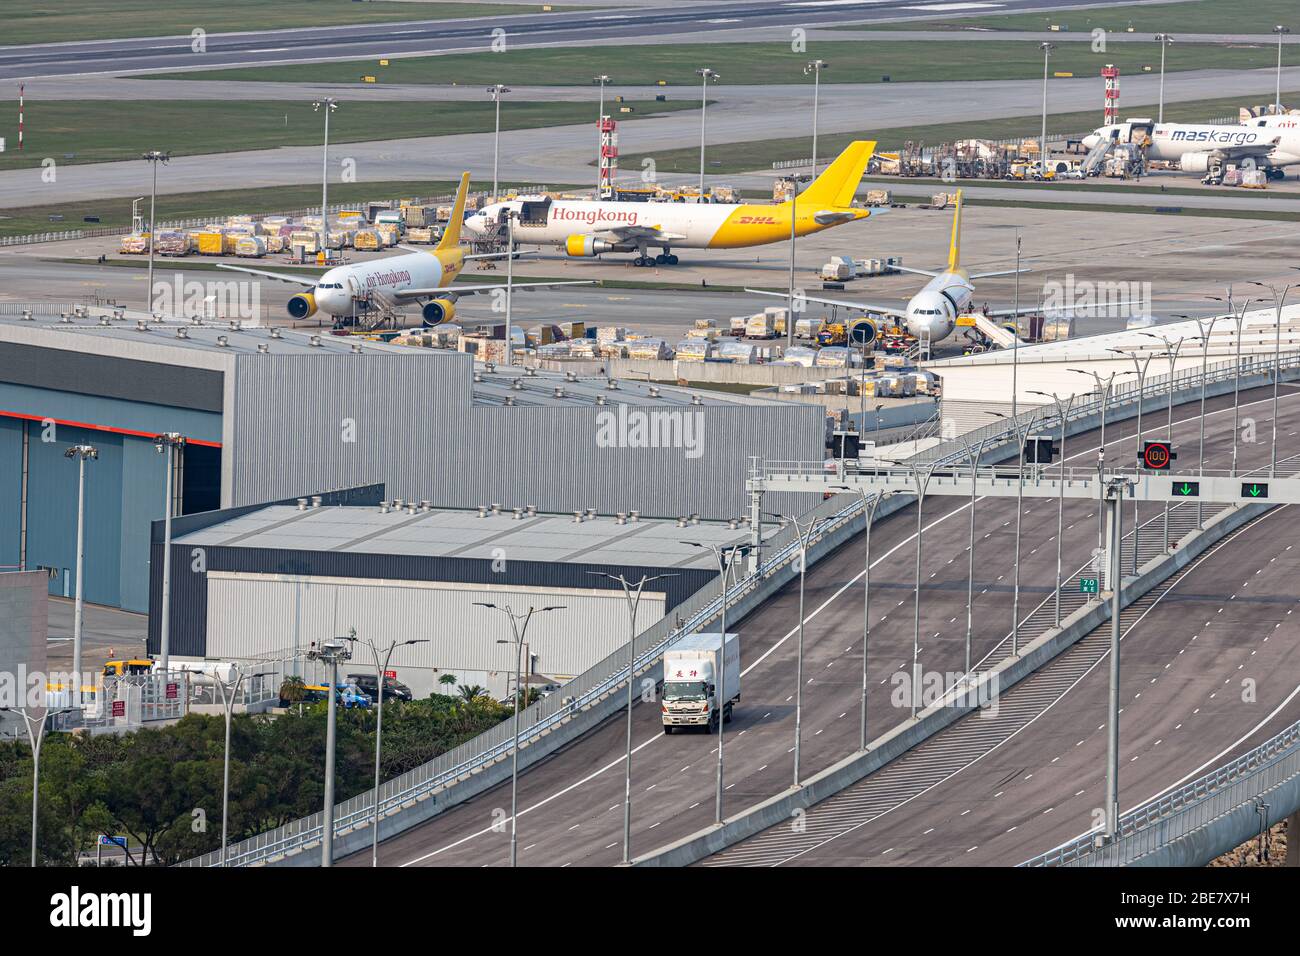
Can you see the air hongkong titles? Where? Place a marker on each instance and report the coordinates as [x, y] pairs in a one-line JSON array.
[[392, 277], [593, 216]]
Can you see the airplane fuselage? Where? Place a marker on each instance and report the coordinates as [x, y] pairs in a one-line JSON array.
[[1170, 142], [931, 314], [338, 290]]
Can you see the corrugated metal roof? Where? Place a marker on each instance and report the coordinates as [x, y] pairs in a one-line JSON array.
[[464, 534]]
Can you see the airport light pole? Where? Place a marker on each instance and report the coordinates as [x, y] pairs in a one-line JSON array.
[[795, 180], [35, 736], [327, 105], [600, 118], [1015, 346], [153, 157], [228, 708], [169, 444], [1047, 49], [1140, 366], [726, 559], [804, 533], [1063, 414], [331, 652], [511, 215], [497, 90], [1239, 319], [518, 627], [1279, 300], [1281, 31], [381, 675], [814, 69], [705, 74], [1104, 393], [81, 453], [1164, 39]]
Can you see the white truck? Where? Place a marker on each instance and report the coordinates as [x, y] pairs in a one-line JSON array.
[[700, 681]]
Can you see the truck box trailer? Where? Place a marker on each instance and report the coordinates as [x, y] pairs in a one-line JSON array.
[[700, 681]]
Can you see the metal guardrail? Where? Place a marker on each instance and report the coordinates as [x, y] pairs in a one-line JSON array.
[[1190, 807], [583, 691]]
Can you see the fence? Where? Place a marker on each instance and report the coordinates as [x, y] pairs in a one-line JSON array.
[[1191, 807]]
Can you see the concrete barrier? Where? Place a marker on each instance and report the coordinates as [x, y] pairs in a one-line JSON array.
[[906, 735]]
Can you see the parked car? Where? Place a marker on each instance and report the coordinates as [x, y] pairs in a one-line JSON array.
[[393, 689]]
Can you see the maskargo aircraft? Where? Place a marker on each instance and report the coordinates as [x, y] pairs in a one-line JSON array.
[[583, 228], [931, 314], [1198, 147], [419, 276]]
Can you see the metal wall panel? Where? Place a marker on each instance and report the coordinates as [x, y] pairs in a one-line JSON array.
[[11, 489], [279, 616], [109, 412], [300, 424]]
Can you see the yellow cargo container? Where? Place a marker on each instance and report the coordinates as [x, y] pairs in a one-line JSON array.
[[211, 243], [366, 239]]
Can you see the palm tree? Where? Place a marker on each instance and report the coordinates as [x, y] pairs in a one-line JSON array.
[[470, 692], [447, 679]]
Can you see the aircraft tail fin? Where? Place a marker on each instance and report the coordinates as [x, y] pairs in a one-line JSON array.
[[839, 182], [954, 247], [451, 235]]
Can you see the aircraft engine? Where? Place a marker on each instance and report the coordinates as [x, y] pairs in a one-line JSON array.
[[862, 331], [302, 305], [578, 246], [1195, 162], [438, 311]]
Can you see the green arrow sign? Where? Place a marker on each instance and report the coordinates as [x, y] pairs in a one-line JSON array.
[[1187, 489], [1254, 489]]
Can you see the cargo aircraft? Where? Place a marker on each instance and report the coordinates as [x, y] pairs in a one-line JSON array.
[[583, 228], [1267, 143], [419, 276]]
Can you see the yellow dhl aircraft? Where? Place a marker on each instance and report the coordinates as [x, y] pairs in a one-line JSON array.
[[583, 228]]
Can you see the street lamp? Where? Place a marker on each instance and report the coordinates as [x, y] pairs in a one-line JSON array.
[[327, 105], [228, 706], [1104, 394], [600, 137], [331, 652], [1206, 331], [795, 180], [519, 630], [1171, 352], [497, 90], [705, 74], [81, 453], [1279, 300], [168, 443], [1140, 369], [1063, 414], [804, 533], [381, 675], [1239, 319], [153, 157], [814, 69], [1164, 39], [870, 502], [35, 738], [1047, 49], [1021, 438], [974, 456], [1114, 491], [1281, 31], [726, 559]]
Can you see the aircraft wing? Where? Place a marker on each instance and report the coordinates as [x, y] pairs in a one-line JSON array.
[[1258, 150], [994, 275], [624, 233], [864, 306], [918, 272], [459, 290], [306, 281]]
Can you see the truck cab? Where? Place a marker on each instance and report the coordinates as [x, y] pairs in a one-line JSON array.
[[698, 689]]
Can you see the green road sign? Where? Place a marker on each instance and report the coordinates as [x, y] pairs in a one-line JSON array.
[[1187, 489], [1089, 586], [1254, 489]]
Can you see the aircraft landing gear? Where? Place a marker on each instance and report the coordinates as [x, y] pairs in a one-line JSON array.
[[666, 258]]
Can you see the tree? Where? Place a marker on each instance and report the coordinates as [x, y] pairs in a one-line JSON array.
[[469, 692]]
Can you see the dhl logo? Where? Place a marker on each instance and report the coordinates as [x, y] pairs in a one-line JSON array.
[[756, 221]]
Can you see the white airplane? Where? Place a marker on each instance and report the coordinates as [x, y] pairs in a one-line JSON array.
[[931, 314], [419, 276], [582, 228], [1196, 148]]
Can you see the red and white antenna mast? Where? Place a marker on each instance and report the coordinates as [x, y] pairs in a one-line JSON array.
[[608, 156]]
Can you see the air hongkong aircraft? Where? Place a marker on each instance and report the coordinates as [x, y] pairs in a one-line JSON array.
[[1196, 147], [582, 228], [931, 314], [418, 276]]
